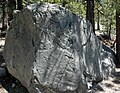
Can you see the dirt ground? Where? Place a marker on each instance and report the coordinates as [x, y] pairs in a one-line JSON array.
[[112, 85]]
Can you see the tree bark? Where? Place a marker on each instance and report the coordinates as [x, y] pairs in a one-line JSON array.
[[3, 17], [118, 34], [109, 31], [90, 13], [11, 7], [98, 21], [19, 4]]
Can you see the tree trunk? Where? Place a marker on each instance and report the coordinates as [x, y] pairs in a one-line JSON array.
[[19, 4], [11, 7], [98, 21], [90, 13], [118, 33], [3, 17], [109, 31]]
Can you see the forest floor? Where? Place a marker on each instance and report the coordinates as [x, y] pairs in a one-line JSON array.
[[9, 84], [112, 85]]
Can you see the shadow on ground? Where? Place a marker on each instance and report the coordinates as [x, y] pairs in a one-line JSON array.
[[117, 77]]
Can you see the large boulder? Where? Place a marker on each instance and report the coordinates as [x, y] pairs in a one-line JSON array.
[[51, 50]]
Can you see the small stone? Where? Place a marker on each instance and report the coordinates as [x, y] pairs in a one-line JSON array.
[[3, 64], [13, 85]]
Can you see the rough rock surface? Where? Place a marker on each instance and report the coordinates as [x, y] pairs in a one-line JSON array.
[[51, 50]]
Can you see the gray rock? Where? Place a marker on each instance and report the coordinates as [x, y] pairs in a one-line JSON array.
[[51, 50], [108, 60]]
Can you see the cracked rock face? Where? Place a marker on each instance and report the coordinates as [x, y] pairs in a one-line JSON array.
[[51, 50]]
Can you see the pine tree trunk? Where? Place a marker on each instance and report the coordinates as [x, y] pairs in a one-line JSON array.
[[19, 4], [98, 21], [118, 34], [90, 13], [11, 7], [109, 31], [3, 17]]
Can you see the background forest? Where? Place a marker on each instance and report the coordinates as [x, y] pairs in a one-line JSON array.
[[104, 11]]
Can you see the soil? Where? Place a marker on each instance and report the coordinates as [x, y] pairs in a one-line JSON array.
[[112, 85]]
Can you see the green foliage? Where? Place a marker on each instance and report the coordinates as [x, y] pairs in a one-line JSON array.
[[77, 8], [107, 15], [107, 9]]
